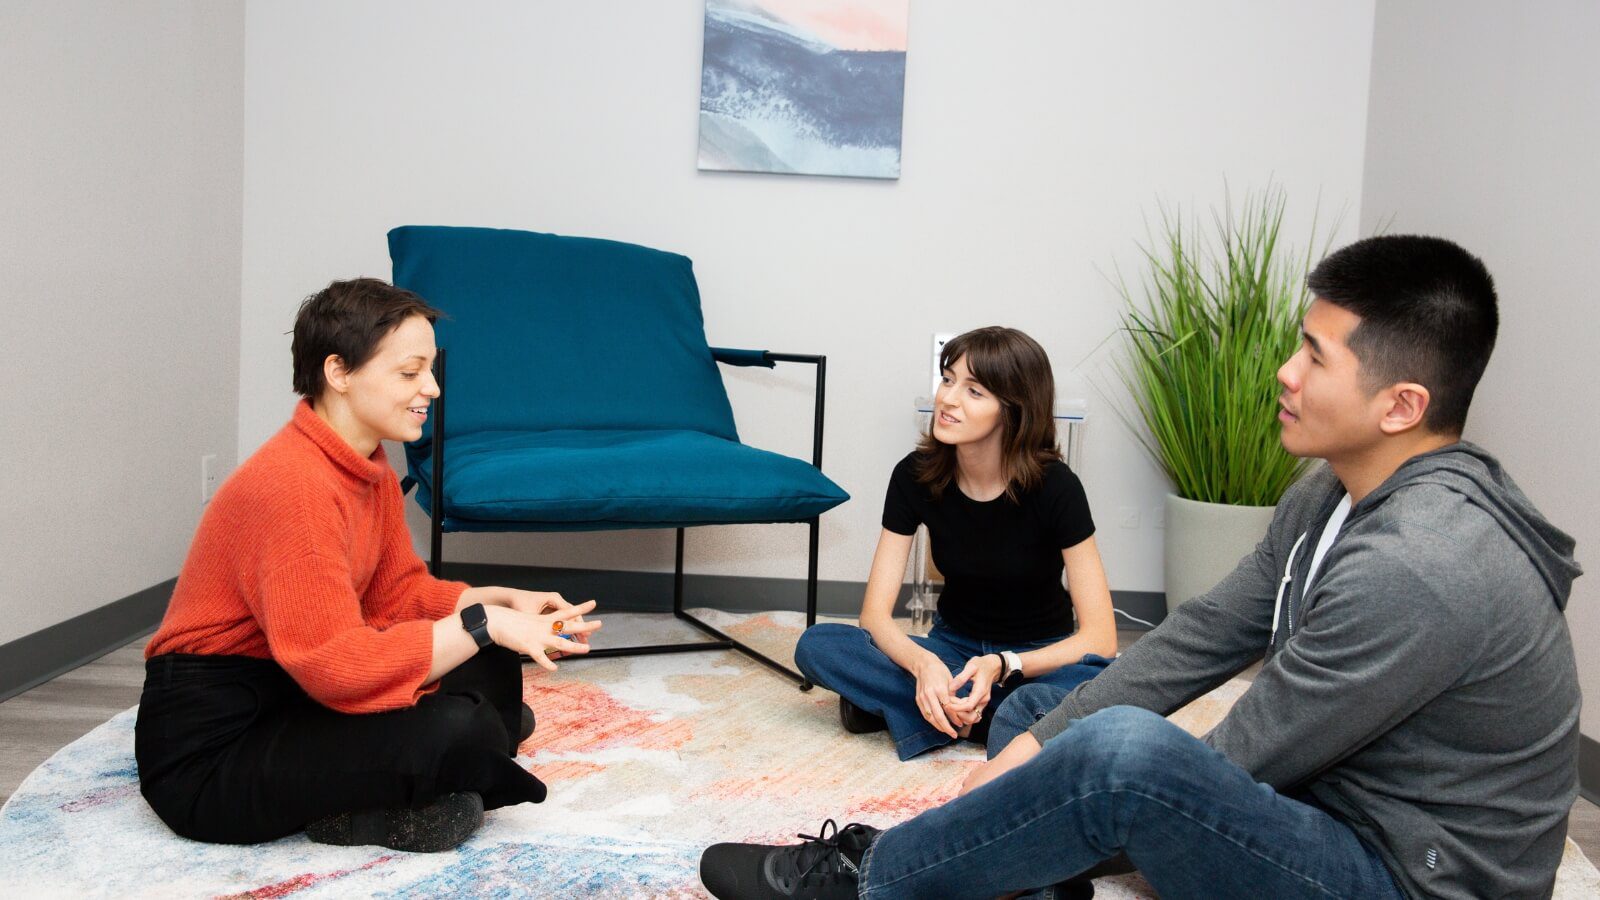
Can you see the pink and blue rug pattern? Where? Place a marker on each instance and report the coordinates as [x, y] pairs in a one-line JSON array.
[[648, 760]]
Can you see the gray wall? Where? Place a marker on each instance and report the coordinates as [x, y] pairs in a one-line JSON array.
[[1483, 127], [121, 146], [1037, 136]]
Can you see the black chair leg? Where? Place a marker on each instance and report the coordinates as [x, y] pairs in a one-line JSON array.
[[435, 558], [436, 473], [722, 640], [677, 577], [811, 584]]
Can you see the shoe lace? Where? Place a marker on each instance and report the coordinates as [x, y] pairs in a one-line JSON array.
[[820, 854]]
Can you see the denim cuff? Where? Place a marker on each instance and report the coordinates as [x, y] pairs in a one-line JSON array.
[[1056, 720], [920, 742], [866, 866]]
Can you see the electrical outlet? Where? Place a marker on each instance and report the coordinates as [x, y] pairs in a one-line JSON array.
[[1128, 516], [209, 477]]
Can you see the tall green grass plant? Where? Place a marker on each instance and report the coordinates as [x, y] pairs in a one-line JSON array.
[[1218, 315]]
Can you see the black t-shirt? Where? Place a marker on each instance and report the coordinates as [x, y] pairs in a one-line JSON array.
[[1001, 559]]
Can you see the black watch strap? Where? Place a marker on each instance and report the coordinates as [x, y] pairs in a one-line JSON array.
[[1004, 669], [1008, 675], [476, 621]]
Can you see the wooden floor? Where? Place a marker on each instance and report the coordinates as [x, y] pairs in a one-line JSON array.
[[35, 724]]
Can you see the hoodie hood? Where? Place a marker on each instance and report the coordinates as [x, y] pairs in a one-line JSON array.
[[1472, 472]]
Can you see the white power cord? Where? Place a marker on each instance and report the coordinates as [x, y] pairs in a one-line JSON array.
[[1133, 618]]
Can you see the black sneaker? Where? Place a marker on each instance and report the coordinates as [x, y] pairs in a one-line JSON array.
[[525, 731], [1074, 889], [439, 826], [825, 867], [857, 720]]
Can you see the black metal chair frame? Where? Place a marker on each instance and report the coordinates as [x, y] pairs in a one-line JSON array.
[[721, 640]]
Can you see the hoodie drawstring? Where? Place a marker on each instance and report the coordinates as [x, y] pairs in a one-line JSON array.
[[1288, 576]]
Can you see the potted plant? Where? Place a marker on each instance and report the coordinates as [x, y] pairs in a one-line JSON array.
[[1218, 315]]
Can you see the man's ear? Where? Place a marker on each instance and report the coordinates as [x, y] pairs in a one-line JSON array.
[[1408, 405], [335, 373]]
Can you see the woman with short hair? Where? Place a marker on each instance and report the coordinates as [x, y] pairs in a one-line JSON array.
[[309, 673]]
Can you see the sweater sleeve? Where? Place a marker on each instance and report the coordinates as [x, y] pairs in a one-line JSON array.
[[1382, 638], [311, 616], [402, 588], [1199, 646], [1205, 641]]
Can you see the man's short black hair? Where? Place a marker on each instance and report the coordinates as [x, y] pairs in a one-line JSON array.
[[1428, 316], [348, 319]]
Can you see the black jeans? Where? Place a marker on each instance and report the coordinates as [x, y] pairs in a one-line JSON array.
[[232, 751]]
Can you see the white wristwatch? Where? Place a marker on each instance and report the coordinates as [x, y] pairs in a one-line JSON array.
[[1010, 668]]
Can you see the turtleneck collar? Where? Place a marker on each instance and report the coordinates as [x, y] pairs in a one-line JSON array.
[[336, 448]]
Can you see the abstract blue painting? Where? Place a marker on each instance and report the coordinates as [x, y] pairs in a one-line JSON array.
[[807, 87]]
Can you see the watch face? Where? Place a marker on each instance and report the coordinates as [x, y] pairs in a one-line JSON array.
[[476, 622]]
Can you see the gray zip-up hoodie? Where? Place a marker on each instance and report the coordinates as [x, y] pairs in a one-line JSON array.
[[1424, 690]]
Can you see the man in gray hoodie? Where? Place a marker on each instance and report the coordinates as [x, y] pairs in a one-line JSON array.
[[1413, 730]]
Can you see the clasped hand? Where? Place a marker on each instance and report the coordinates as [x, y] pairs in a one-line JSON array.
[[937, 689]]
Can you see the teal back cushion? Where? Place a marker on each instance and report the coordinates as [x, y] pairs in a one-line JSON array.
[[548, 332]]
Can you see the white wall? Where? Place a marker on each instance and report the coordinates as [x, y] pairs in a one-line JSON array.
[[120, 151], [1483, 127], [1037, 135]]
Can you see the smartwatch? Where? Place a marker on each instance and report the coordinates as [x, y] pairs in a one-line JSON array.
[[1010, 668], [476, 622]]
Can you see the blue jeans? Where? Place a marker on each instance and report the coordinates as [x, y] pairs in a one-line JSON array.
[[844, 659], [1123, 780]]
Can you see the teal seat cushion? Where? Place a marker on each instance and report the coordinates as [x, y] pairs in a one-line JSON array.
[[592, 480]]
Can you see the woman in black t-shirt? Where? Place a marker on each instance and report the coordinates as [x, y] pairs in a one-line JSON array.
[[1004, 516]]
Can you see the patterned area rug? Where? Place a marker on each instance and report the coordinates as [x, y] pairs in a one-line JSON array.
[[649, 759]]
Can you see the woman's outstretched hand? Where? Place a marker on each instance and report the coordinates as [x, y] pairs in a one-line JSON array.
[[535, 602], [1021, 749], [534, 634], [541, 602]]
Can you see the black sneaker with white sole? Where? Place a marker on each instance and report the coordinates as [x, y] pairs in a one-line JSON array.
[[826, 867], [439, 826]]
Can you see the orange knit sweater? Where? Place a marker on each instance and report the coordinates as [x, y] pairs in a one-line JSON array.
[[303, 558]]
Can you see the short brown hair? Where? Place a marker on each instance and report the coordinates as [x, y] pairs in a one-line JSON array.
[[348, 319], [1016, 370]]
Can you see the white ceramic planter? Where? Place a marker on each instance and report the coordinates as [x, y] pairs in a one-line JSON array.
[[1205, 541]]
